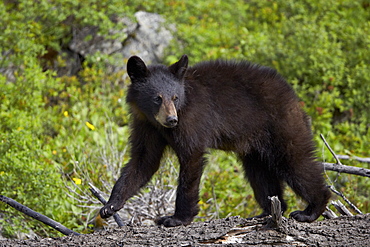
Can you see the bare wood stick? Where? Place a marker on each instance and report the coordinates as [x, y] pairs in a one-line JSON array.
[[347, 169], [96, 193], [331, 150], [345, 199], [347, 157], [276, 219], [340, 167], [329, 214], [341, 208], [276, 212], [44, 219]]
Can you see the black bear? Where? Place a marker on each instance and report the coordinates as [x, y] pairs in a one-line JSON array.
[[229, 105]]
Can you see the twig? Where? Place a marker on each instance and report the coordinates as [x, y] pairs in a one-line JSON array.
[[329, 214], [340, 167], [345, 199], [341, 208], [347, 169], [96, 193], [331, 150], [347, 157], [44, 219]]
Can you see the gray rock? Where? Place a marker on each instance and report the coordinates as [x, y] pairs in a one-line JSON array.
[[148, 38], [87, 41]]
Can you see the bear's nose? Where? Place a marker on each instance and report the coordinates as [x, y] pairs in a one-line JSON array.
[[171, 121]]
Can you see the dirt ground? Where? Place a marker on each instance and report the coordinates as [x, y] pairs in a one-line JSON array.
[[233, 231]]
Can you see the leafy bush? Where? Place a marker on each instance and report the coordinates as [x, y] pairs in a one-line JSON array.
[[27, 171]]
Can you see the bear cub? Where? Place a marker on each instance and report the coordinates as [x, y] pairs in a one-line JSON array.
[[229, 105]]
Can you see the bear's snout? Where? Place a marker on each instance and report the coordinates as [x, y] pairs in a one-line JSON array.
[[167, 114], [171, 121]]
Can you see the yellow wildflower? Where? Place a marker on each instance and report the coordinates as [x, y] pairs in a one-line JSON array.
[[65, 113], [90, 126], [77, 181]]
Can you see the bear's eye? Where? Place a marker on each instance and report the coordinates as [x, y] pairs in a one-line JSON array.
[[175, 98], [158, 100]]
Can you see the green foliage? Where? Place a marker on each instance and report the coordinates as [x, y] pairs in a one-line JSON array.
[[55, 130], [27, 171], [44, 120]]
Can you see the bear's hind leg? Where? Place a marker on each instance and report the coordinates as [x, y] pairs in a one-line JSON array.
[[264, 182], [308, 182]]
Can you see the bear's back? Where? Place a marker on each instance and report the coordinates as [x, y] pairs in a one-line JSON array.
[[234, 103], [251, 84]]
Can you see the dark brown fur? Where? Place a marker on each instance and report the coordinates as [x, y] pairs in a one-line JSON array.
[[227, 105]]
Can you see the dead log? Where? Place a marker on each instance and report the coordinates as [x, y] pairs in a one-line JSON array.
[[44, 219]]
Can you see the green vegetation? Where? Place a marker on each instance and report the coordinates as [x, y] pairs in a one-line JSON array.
[[54, 129]]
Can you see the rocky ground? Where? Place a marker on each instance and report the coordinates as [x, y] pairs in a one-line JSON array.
[[233, 231]]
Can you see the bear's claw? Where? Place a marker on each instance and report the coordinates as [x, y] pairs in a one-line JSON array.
[[107, 211]]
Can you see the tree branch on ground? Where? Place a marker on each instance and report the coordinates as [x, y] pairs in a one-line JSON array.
[[341, 208], [345, 199], [44, 219], [347, 169], [339, 167]]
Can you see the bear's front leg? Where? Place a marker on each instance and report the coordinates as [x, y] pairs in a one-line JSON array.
[[147, 147], [134, 175], [187, 192]]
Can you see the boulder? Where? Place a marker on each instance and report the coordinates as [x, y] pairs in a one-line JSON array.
[[146, 38]]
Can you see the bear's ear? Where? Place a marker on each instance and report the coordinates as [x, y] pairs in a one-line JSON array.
[[136, 69], [179, 68]]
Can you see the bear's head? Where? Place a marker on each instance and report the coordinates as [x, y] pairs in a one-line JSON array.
[[157, 92]]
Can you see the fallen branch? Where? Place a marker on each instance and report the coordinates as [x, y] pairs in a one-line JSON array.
[[347, 169], [339, 167], [329, 214], [347, 157], [345, 199], [44, 219], [96, 193], [341, 208]]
